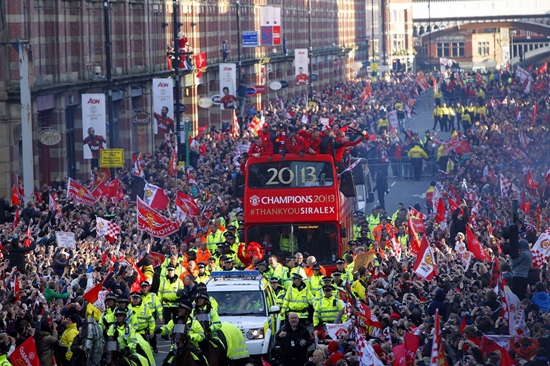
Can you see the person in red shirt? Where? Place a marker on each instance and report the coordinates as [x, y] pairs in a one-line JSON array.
[[165, 124], [256, 148], [267, 138], [312, 139], [301, 78], [95, 142], [294, 144], [342, 142]]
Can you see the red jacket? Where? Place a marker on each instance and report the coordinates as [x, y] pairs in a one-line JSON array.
[[294, 147], [267, 143], [313, 144]]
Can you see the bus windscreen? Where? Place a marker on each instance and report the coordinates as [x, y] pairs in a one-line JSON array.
[[290, 174]]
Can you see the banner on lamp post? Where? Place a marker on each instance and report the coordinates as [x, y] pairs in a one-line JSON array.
[[228, 84], [163, 106], [93, 124], [301, 62]]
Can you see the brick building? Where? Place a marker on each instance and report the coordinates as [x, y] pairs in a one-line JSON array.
[[66, 38]]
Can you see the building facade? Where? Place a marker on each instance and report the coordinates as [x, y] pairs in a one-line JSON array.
[[67, 43]]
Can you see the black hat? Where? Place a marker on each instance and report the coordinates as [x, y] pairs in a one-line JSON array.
[[111, 296], [170, 268], [336, 273], [325, 288], [203, 294], [145, 283], [120, 311], [135, 294], [231, 227], [297, 276], [201, 265], [240, 213], [274, 280], [229, 236], [228, 260], [289, 258], [219, 245], [327, 278], [186, 304], [340, 261], [352, 242], [241, 223], [365, 224], [316, 267], [383, 217], [122, 298]]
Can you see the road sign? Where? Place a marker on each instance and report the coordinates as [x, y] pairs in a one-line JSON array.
[[250, 91], [284, 84], [374, 66], [383, 68], [250, 38], [260, 89], [111, 158], [313, 77]]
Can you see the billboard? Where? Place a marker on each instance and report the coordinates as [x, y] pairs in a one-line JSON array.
[[301, 63], [93, 125], [228, 85], [163, 106]]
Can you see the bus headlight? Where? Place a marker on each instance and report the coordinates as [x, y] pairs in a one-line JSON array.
[[255, 333]]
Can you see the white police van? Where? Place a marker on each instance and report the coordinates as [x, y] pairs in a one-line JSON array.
[[246, 299]]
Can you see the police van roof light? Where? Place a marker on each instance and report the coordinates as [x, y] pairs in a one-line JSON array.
[[235, 274]]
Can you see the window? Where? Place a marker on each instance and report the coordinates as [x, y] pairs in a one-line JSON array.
[[443, 50], [458, 49], [483, 48], [424, 49], [290, 174]]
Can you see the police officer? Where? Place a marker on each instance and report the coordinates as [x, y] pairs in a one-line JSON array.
[[278, 290], [202, 276], [145, 325], [206, 315], [169, 287], [315, 283], [194, 330], [5, 344], [329, 309], [416, 154], [291, 269], [151, 300], [297, 298], [108, 316]]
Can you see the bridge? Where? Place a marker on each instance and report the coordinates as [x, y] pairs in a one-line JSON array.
[[439, 18]]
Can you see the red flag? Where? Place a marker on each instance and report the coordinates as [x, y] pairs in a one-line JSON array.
[[538, 217], [235, 127], [424, 266], [418, 224], [440, 214], [27, 243], [474, 245], [452, 204], [20, 187], [411, 345], [547, 178], [265, 363], [52, 203], [173, 164], [414, 241], [415, 213], [106, 189], [92, 295], [156, 259], [526, 207], [436, 356], [366, 93], [399, 355], [15, 220], [529, 68], [15, 197], [543, 68], [80, 193], [531, 181], [462, 324], [200, 62], [103, 175], [155, 197], [25, 354], [38, 196], [495, 273], [17, 289], [454, 192], [154, 223], [187, 204], [534, 112], [136, 286], [493, 343]]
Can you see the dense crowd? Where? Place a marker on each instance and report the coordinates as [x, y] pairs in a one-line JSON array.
[[44, 286]]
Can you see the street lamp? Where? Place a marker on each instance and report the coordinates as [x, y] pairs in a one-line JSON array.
[[512, 34], [112, 141]]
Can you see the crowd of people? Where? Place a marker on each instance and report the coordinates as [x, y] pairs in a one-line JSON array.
[[505, 134]]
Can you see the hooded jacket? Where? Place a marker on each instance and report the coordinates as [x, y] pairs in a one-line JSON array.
[[522, 264]]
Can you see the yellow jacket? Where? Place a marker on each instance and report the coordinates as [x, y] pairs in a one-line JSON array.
[[92, 312], [417, 152], [67, 339]]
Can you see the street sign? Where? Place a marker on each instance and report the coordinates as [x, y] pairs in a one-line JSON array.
[[111, 158], [284, 84], [383, 68], [216, 99], [374, 66], [182, 108], [141, 118], [313, 77], [250, 38], [250, 91], [260, 89]]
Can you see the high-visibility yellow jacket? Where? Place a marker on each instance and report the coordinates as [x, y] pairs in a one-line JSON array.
[[145, 321], [168, 291], [326, 310]]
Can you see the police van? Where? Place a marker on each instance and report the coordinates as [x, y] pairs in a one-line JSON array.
[[246, 299]]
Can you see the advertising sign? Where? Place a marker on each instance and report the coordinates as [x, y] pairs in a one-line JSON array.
[[228, 82], [163, 106], [250, 38], [93, 124], [301, 63]]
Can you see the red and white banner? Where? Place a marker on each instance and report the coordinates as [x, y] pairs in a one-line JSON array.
[[301, 62], [399, 355], [365, 352], [475, 246], [155, 197], [154, 223], [228, 85], [411, 345], [52, 203], [541, 250], [187, 204], [339, 331], [156, 259], [163, 106], [418, 225], [504, 185], [106, 228], [15, 197], [25, 354], [80, 193], [414, 241], [424, 266]]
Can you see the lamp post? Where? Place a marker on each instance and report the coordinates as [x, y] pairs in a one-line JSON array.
[[310, 49], [112, 141], [512, 34], [372, 30], [176, 65], [430, 34]]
